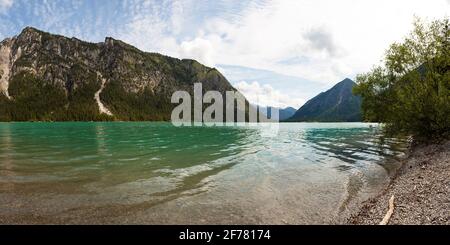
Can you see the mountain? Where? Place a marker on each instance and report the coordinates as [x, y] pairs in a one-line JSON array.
[[51, 77], [335, 105], [284, 113]]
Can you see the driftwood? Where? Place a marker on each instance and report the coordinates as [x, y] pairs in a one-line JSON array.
[[389, 213]]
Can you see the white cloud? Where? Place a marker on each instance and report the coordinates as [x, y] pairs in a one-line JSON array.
[[322, 40], [5, 4], [335, 39], [359, 31], [266, 95], [199, 49], [154, 27]]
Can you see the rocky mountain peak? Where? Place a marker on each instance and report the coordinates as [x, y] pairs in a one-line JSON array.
[[335, 105]]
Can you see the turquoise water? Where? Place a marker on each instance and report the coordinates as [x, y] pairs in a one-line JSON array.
[[160, 174]]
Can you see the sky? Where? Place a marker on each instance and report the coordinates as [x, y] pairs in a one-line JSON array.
[[278, 53]]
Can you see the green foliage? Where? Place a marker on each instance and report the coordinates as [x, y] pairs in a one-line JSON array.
[[34, 100], [38, 100], [141, 106], [410, 91]]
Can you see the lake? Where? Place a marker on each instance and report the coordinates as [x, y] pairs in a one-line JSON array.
[[155, 173]]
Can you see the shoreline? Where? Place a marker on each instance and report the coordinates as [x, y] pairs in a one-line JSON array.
[[421, 190]]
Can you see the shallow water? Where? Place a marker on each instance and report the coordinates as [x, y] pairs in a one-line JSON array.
[[302, 173]]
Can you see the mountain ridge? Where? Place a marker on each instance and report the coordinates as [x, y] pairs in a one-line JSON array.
[[283, 113], [338, 104], [45, 76]]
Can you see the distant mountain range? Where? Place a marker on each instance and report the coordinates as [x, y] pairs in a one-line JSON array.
[[335, 105], [284, 113]]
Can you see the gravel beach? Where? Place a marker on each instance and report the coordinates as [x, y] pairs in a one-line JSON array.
[[421, 190]]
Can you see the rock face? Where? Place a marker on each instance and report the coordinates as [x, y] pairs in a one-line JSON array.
[[51, 77], [7, 59], [335, 105], [101, 107]]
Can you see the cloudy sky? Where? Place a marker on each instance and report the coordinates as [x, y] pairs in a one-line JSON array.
[[290, 49]]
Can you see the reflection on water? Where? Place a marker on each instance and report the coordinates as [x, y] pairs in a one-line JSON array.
[[157, 173]]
